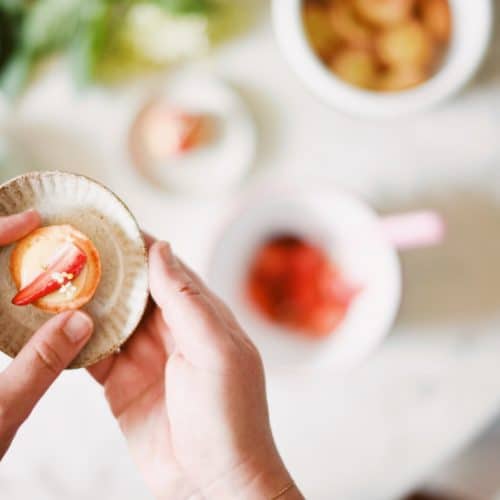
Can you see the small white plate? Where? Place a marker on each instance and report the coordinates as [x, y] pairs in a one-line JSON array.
[[220, 165], [354, 237]]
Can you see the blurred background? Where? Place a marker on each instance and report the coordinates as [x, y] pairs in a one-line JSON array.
[[187, 109]]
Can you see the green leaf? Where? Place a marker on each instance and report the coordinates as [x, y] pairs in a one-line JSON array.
[[186, 6], [16, 74], [50, 25], [14, 6], [90, 41], [10, 27]]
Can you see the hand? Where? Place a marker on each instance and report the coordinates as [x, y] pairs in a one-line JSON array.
[[188, 392], [48, 352]]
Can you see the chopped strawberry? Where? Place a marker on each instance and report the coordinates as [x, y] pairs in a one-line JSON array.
[[65, 267], [334, 287], [271, 262], [295, 284], [324, 319]]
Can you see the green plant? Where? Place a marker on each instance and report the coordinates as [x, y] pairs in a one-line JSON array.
[[31, 30]]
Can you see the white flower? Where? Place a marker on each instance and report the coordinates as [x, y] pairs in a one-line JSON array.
[[164, 38]]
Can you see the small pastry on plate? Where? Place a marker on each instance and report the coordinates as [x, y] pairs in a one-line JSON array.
[[89, 253], [55, 268], [162, 132], [194, 135]]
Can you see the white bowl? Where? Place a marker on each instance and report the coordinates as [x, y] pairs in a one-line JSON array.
[[472, 27], [353, 235]]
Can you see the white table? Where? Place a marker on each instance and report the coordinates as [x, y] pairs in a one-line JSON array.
[[434, 384]]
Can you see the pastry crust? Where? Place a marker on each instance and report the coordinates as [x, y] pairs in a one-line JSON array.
[[92, 268]]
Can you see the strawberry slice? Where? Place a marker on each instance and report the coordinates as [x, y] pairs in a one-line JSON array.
[[168, 132], [189, 131], [66, 266]]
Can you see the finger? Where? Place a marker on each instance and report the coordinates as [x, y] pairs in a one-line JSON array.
[[49, 351], [149, 327], [216, 300], [193, 276], [152, 327], [192, 319], [14, 227], [227, 316], [148, 239], [101, 370]]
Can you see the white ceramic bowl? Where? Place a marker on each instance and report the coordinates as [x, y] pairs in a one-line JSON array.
[[472, 27], [352, 233]]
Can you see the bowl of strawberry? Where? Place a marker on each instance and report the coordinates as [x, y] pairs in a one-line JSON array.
[[312, 273]]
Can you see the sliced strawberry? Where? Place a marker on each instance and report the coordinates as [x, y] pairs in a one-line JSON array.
[[176, 131], [294, 283], [189, 134], [66, 266]]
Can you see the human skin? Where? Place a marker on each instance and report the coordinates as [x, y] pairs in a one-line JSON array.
[[188, 392], [49, 351], [187, 389]]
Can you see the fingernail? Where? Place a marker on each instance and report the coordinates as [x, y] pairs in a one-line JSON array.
[[32, 216], [78, 327], [31, 212], [166, 253]]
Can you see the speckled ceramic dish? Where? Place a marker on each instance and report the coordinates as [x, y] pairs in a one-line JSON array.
[[122, 294]]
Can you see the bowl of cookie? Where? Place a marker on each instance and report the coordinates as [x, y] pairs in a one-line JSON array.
[[383, 58]]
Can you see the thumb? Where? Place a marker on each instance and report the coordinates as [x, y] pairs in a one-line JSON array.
[[187, 309], [49, 351]]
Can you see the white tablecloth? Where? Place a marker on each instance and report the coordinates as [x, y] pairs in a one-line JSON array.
[[434, 384]]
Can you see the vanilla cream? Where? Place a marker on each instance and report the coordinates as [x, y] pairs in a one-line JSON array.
[[36, 260]]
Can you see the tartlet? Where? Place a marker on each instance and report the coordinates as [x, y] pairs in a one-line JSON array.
[[55, 268], [115, 289], [162, 132]]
